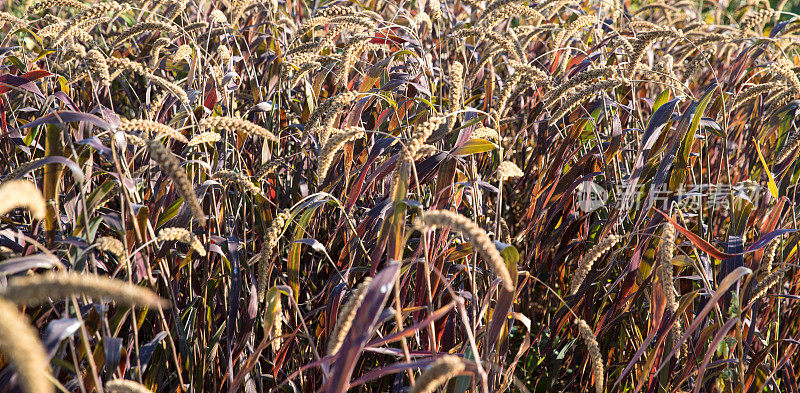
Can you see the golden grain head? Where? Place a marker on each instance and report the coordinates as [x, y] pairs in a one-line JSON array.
[[769, 256], [270, 242], [111, 245], [123, 386], [38, 289], [151, 129], [477, 237], [174, 234], [219, 17], [346, 315], [20, 345], [240, 179], [42, 5], [487, 133], [22, 194], [333, 145], [170, 164], [204, 137], [769, 281], [508, 169], [588, 260], [182, 53], [237, 125], [273, 317], [665, 252], [438, 373], [590, 340]]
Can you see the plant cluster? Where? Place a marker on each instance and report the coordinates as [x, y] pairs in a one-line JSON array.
[[461, 196]]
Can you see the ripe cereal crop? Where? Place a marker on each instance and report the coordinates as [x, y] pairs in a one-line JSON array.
[[391, 196]]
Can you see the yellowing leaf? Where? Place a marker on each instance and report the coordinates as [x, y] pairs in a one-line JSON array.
[[682, 261], [773, 189], [474, 146]]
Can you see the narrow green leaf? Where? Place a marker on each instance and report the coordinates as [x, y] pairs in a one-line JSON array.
[[682, 160], [293, 261]]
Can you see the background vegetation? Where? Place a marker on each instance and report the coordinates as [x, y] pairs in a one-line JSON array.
[[387, 196]]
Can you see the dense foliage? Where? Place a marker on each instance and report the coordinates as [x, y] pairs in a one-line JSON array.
[[383, 196]]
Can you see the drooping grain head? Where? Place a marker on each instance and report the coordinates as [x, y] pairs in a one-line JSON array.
[[240, 179], [580, 96], [575, 26], [111, 245], [37, 289], [167, 161], [769, 256], [769, 281], [270, 241], [219, 17], [588, 260], [43, 5], [335, 143], [182, 53], [489, 134], [151, 129], [273, 318], [477, 237], [346, 315], [20, 344], [457, 90], [507, 170], [155, 51], [420, 136], [123, 386], [144, 27], [665, 252], [756, 19], [22, 194], [438, 373], [97, 65], [590, 341], [204, 137], [578, 81], [183, 236], [236, 125]]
